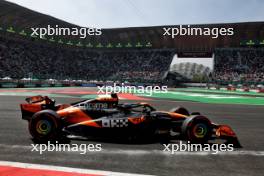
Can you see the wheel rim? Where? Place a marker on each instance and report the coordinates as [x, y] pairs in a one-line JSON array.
[[43, 127], [200, 130]]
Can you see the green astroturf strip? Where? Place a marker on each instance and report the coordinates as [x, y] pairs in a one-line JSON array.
[[210, 98], [88, 96], [216, 91]]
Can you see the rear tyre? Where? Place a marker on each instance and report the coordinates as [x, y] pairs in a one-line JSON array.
[[196, 129], [45, 126]]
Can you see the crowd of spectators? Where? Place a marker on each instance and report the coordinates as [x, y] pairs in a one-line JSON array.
[[21, 59], [239, 65]]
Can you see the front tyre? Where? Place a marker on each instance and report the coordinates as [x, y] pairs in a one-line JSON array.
[[45, 126], [196, 129]]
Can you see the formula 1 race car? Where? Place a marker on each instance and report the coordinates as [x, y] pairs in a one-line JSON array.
[[106, 116]]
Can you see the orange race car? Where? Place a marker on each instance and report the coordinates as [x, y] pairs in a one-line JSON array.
[[105, 116]]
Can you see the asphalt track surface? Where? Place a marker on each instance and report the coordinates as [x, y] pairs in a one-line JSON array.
[[146, 158]]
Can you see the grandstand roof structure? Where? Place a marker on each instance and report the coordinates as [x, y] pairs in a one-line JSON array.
[[189, 70], [14, 19]]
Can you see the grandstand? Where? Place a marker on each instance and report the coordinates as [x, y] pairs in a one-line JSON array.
[[136, 54], [239, 65], [190, 70], [19, 58]]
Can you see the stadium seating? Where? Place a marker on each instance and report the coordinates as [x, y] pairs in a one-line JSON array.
[[245, 65], [22, 59]]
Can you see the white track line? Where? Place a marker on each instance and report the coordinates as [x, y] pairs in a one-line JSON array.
[[150, 152], [160, 152], [64, 169]]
